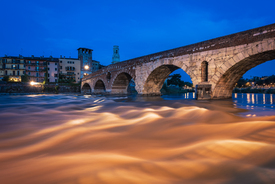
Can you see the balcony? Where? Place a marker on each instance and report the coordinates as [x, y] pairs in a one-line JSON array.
[[35, 70], [69, 68], [12, 68], [36, 64]]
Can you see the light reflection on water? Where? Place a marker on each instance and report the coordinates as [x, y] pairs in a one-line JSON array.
[[168, 139]]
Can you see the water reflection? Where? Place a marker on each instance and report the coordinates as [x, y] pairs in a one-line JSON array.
[[168, 139]]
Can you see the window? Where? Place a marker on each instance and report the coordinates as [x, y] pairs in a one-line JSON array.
[[68, 62], [48, 68], [37, 68], [60, 61], [55, 63], [55, 69], [6, 72], [73, 62], [60, 67], [29, 62], [24, 72], [37, 80], [18, 73], [37, 62], [29, 73], [13, 72], [48, 63], [55, 80], [29, 67], [37, 74], [48, 75], [55, 75]]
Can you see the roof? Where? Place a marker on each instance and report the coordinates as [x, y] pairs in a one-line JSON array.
[[84, 48]]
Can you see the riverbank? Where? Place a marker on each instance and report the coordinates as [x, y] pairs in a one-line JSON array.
[[254, 90], [26, 88]]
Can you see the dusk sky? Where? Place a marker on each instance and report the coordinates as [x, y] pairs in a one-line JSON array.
[[33, 27]]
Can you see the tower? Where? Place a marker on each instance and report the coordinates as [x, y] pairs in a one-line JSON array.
[[85, 57], [116, 57]]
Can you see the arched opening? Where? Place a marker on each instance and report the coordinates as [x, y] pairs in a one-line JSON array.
[[227, 82], [159, 81], [99, 87], [204, 71], [123, 84], [86, 89], [108, 76]]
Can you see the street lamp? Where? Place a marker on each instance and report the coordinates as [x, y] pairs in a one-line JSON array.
[[86, 67]]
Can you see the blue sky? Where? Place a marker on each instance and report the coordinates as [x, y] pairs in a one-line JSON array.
[[34, 27]]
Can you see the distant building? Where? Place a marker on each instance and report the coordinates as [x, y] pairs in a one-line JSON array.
[[14, 67], [53, 69], [49, 69], [116, 57], [36, 68], [70, 69]]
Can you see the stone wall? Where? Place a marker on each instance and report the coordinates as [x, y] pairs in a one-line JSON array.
[[27, 88]]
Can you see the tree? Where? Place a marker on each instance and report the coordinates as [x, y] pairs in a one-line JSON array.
[[175, 80], [25, 78], [6, 78]]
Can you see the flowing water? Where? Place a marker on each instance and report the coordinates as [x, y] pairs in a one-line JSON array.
[[170, 139]]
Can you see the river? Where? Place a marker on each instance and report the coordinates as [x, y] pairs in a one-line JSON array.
[[169, 139]]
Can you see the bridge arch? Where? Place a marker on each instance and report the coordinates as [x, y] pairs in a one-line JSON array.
[[121, 82], [156, 78], [86, 89], [238, 66], [99, 86]]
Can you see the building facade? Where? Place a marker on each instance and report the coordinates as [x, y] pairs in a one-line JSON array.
[[49, 69], [53, 69], [70, 69], [36, 68], [11, 66]]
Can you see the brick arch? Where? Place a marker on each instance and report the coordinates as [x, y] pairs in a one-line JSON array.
[[99, 86], [120, 82], [158, 74], [86, 88], [238, 66]]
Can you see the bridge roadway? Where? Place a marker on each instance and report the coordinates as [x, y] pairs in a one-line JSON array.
[[214, 66]]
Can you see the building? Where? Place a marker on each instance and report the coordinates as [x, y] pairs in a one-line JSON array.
[[95, 65], [69, 69], [49, 69], [11, 66], [116, 57], [53, 69], [36, 68]]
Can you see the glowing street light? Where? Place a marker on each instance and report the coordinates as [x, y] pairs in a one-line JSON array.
[[32, 83], [86, 67]]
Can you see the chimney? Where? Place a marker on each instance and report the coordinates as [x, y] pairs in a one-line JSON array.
[[32, 56], [60, 56]]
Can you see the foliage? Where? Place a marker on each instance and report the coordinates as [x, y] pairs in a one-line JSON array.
[[25, 78], [64, 79], [56, 89], [176, 81], [6, 78]]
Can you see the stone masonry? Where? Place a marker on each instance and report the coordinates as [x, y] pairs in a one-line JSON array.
[[227, 59]]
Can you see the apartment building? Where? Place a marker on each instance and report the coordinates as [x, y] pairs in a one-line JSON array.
[[12, 66], [36, 68], [53, 69], [70, 69]]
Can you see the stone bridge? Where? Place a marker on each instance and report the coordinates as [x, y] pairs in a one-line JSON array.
[[213, 65]]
